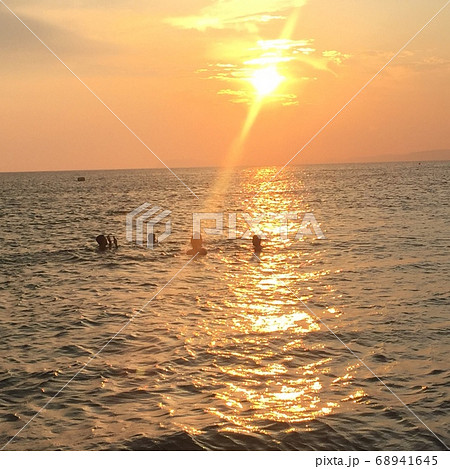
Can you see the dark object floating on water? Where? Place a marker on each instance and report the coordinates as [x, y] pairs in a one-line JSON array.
[[256, 240], [196, 243], [106, 242], [81, 178]]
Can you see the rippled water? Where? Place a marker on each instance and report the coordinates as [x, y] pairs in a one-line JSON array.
[[232, 354]]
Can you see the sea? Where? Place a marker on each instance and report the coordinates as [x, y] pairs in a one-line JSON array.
[[333, 342]]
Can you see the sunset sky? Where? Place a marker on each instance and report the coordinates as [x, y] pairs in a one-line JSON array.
[[185, 75]]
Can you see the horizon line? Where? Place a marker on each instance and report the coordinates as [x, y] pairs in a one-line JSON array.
[[334, 163]]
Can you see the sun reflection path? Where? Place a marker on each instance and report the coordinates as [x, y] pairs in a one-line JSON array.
[[260, 363], [272, 368], [268, 372], [275, 366]]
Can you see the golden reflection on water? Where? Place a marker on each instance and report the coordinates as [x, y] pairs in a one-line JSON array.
[[259, 346], [265, 374], [277, 390]]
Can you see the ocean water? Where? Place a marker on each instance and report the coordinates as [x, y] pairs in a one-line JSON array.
[[234, 353]]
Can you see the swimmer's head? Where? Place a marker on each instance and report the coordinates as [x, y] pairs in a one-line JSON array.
[[102, 241], [256, 240], [196, 240]]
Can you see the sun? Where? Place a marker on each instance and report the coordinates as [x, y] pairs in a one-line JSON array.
[[266, 80]]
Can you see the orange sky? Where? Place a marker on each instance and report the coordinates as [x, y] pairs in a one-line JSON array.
[[178, 73]]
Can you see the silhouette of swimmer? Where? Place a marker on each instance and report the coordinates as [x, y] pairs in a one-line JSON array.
[[196, 243], [112, 242], [256, 240], [105, 242]]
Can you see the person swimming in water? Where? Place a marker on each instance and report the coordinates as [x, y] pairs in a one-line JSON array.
[[256, 240], [112, 242], [196, 243], [106, 242]]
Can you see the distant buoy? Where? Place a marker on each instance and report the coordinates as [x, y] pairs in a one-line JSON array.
[[81, 178]]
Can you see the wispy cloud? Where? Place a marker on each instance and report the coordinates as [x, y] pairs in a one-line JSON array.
[[408, 64], [245, 97], [236, 14]]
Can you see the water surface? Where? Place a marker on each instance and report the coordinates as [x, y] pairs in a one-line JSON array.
[[232, 354]]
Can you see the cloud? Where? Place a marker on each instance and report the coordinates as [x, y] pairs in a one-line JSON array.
[[236, 14], [296, 59], [335, 56], [424, 62], [246, 97], [415, 61]]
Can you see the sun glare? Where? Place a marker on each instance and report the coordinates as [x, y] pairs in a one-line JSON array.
[[266, 80]]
